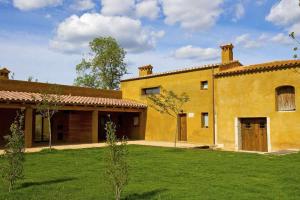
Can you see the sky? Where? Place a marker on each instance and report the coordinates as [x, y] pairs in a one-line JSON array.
[[45, 39]]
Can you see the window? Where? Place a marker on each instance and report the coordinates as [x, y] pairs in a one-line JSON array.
[[204, 85], [41, 129], [204, 120], [285, 98], [136, 121], [153, 90]]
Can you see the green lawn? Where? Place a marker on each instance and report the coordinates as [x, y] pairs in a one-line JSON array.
[[161, 173]]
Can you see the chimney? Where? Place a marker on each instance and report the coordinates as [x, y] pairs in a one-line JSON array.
[[227, 53], [4, 74], [145, 70]]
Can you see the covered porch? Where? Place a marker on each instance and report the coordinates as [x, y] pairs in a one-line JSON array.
[[75, 123]]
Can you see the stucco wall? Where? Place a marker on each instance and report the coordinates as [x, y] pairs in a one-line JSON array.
[[253, 95], [161, 126]]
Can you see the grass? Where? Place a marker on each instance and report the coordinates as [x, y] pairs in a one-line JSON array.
[[160, 173]]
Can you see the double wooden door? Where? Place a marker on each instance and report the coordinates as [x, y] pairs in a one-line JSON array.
[[182, 127], [254, 134]]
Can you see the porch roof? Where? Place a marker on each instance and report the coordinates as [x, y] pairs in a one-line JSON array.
[[30, 97]]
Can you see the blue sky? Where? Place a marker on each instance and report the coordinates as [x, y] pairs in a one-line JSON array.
[[47, 38]]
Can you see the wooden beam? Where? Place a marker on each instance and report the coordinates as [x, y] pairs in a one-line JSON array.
[[95, 126], [79, 108], [28, 127]]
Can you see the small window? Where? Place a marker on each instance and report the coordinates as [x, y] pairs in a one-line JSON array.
[[204, 85], [153, 90], [285, 98], [204, 120], [136, 121]]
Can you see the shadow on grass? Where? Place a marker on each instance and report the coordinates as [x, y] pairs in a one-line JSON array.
[[145, 195], [48, 182]]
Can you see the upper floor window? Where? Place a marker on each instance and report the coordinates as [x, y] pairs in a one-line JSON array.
[[285, 98], [153, 90], [204, 85]]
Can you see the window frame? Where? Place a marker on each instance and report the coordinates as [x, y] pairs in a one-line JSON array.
[[203, 115], [203, 84], [143, 90], [277, 91]]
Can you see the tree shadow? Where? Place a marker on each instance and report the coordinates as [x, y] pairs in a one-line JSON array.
[[145, 195], [48, 182]]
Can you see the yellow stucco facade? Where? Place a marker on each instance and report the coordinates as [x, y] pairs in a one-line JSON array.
[[161, 127], [234, 92], [253, 95]]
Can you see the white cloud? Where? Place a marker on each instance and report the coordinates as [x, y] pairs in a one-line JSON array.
[[35, 4], [281, 39], [198, 53], [82, 5], [192, 14], [148, 8], [246, 42], [261, 2], [74, 33], [285, 13], [118, 7], [239, 12]]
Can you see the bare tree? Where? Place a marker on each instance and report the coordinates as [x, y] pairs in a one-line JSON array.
[[170, 103], [296, 48], [49, 103]]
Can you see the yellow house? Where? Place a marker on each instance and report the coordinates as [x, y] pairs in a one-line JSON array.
[[234, 107], [231, 106]]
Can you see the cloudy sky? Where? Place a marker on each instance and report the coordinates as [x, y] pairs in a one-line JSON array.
[[47, 38]]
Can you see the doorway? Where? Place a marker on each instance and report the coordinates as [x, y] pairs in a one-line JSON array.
[[182, 127], [254, 134]]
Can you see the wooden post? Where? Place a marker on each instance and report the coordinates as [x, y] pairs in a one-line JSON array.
[[95, 127], [28, 127]]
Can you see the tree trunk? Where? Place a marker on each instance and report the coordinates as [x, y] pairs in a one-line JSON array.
[[176, 132], [50, 133]]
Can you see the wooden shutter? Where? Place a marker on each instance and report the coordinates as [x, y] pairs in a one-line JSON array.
[[286, 98]]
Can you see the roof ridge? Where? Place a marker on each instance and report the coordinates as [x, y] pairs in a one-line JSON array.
[[182, 70]]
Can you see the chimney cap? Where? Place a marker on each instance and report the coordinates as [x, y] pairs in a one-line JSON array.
[[145, 67], [4, 69], [229, 45]]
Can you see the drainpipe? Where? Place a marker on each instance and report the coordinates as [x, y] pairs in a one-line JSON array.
[[213, 107]]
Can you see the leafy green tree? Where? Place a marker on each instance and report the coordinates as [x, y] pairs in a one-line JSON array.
[[170, 103], [105, 67], [48, 103], [13, 169], [116, 161]]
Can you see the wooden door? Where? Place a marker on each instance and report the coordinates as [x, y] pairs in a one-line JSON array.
[[254, 134], [182, 132]]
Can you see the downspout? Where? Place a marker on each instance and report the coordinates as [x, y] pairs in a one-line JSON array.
[[213, 106]]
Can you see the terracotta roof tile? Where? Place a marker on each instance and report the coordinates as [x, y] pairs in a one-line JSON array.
[[29, 97], [182, 70], [260, 67]]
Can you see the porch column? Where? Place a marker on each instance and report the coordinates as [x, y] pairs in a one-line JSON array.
[[95, 126], [28, 127]]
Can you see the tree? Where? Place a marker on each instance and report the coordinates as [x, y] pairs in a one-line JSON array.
[[292, 35], [49, 103], [170, 103], [116, 163], [105, 67], [13, 169]]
